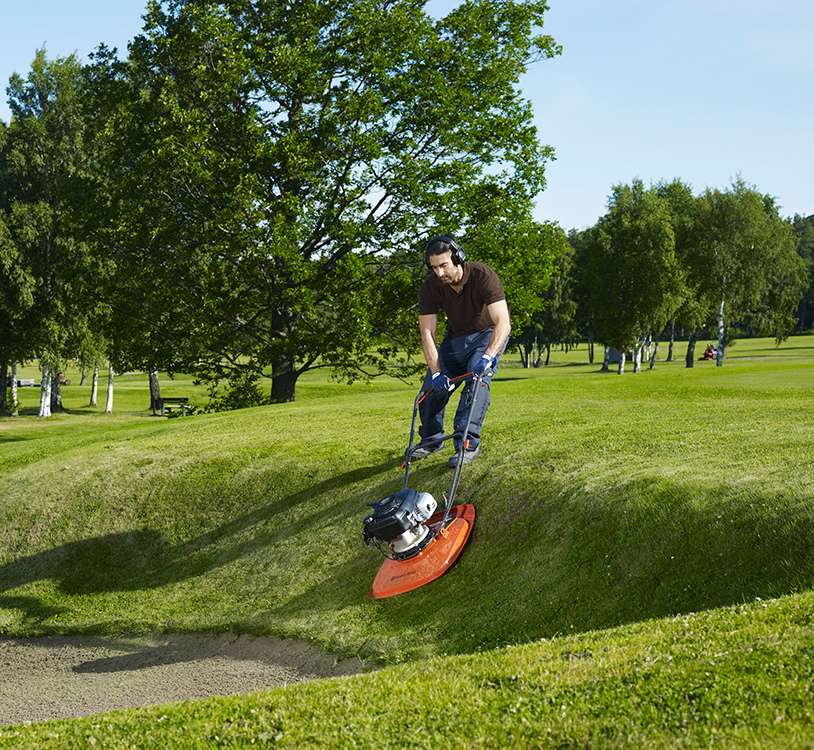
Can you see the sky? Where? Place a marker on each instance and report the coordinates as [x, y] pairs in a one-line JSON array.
[[704, 91]]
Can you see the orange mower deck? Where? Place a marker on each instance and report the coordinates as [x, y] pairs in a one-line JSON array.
[[398, 576]]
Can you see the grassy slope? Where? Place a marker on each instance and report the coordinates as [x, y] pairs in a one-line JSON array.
[[601, 500]]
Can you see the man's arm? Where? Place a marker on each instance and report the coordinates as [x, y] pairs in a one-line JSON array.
[[429, 325], [499, 313]]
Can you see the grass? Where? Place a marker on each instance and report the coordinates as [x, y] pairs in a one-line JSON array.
[[627, 527], [733, 677]]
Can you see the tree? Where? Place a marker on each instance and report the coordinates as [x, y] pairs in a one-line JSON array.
[[555, 323], [632, 269], [43, 266], [804, 231], [744, 254], [267, 161]]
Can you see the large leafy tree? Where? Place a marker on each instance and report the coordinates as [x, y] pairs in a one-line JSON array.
[[744, 256], [804, 231], [270, 163], [632, 269], [556, 322], [44, 266]]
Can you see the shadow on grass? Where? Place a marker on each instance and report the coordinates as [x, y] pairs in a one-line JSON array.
[[142, 559], [547, 560]]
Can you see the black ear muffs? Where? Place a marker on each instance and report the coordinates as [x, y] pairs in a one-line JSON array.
[[458, 255]]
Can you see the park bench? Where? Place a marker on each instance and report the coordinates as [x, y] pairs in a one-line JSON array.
[[168, 404]]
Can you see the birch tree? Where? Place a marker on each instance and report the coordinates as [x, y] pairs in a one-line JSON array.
[[744, 250], [42, 152], [632, 269], [109, 403]]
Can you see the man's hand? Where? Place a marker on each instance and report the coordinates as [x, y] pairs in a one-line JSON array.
[[484, 363], [440, 382]]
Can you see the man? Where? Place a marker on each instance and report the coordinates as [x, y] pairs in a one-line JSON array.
[[478, 327]]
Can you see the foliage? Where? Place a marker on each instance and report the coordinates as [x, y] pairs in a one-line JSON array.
[[556, 322], [44, 268], [744, 255], [632, 270], [241, 392], [804, 231], [266, 162]]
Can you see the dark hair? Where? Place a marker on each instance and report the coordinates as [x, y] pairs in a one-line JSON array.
[[444, 243]]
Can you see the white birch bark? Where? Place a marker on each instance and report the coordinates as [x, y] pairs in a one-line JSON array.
[[14, 406], [45, 393], [655, 354], [621, 370], [606, 360], [720, 357], [94, 388], [637, 358], [109, 406]]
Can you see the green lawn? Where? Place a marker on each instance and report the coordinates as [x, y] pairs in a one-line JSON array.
[[654, 529]]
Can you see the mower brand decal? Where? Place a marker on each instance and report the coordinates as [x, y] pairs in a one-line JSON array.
[[403, 575]]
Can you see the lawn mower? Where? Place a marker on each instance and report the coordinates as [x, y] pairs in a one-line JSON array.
[[420, 542]]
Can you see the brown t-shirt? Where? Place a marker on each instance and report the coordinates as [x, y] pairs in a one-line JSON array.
[[466, 310]]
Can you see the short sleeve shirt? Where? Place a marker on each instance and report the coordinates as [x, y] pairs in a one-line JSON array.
[[465, 310]]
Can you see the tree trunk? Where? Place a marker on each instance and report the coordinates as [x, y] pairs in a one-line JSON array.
[[94, 388], [109, 405], [84, 378], [45, 393], [547, 354], [591, 347], [283, 380], [621, 370], [4, 378], [638, 351], [720, 358], [14, 406], [56, 393], [155, 391], [655, 354], [690, 359], [672, 341], [606, 360]]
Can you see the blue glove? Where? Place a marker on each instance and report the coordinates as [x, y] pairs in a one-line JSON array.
[[440, 382], [484, 363]]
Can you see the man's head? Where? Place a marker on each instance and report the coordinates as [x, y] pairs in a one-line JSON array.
[[444, 243], [444, 257]]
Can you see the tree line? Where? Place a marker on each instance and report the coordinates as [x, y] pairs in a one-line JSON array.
[[245, 195], [664, 261]]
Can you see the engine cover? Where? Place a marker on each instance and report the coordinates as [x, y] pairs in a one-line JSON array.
[[398, 519]]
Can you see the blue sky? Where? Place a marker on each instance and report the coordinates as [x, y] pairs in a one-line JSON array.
[[702, 90]]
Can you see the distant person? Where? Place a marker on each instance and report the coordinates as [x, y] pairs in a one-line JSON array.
[[478, 327]]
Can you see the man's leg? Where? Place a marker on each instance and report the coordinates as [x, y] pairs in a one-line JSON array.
[[475, 348], [431, 411]]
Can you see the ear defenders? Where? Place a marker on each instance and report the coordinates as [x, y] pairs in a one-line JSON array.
[[458, 255]]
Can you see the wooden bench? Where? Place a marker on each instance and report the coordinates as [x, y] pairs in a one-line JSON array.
[[168, 404]]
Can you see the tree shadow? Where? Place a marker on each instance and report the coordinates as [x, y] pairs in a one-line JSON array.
[[139, 559]]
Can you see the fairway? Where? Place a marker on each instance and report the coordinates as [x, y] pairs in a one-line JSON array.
[[611, 511]]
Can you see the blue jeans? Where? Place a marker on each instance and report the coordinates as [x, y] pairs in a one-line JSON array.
[[457, 357]]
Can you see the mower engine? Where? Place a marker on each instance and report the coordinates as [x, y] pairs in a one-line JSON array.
[[398, 520]]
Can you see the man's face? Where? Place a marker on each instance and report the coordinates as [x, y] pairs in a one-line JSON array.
[[443, 267]]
